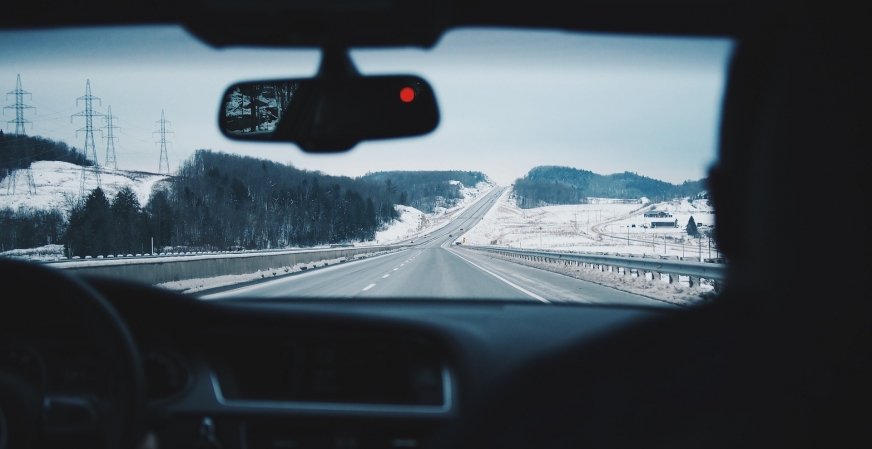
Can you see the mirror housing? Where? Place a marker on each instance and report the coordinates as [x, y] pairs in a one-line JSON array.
[[331, 112]]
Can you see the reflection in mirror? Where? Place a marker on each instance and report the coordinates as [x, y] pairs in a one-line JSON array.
[[331, 113], [253, 108]]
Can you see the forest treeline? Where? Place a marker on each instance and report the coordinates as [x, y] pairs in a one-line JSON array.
[[220, 201], [427, 190], [19, 151], [553, 185]]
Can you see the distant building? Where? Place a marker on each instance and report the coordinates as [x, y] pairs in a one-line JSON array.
[[657, 214], [664, 224]]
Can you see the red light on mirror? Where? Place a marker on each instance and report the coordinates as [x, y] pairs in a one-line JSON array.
[[407, 94]]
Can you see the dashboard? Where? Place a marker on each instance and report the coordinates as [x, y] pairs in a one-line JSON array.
[[319, 373], [335, 373]]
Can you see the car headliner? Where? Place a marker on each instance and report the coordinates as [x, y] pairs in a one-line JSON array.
[[419, 23]]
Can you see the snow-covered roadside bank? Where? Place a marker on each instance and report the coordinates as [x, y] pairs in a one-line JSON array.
[[414, 223], [200, 285]]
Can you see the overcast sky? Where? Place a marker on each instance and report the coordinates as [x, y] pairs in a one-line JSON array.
[[597, 102]]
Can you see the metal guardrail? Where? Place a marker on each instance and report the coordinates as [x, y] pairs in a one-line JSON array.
[[155, 270], [713, 271]]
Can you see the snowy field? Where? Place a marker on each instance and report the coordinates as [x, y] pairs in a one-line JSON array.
[[58, 184], [601, 226], [606, 226]]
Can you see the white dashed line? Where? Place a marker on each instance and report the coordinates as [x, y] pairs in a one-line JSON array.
[[386, 276], [368, 287]]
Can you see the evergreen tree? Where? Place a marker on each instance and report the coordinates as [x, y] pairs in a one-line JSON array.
[[691, 228], [127, 223], [89, 232], [159, 218]]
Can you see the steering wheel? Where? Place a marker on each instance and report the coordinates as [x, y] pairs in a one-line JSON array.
[[70, 373]]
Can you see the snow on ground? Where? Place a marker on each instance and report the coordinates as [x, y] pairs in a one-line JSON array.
[[414, 223], [610, 226], [54, 254], [44, 253], [58, 184], [600, 226], [411, 223]]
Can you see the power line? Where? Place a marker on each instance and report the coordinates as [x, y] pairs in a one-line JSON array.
[[19, 121], [164, 163], [111, 160], [90, 149]]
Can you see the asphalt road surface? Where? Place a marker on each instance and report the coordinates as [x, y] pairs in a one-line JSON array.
[[437, 268]]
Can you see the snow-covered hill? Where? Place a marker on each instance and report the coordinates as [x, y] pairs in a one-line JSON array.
[[413, 222], [57, 185]]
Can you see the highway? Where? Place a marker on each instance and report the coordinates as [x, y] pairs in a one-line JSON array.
[[434, 267]]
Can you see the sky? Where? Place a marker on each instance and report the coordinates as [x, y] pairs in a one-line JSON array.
[[509, 100]]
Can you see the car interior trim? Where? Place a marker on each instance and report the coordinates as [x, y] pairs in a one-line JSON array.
[[303, 406]]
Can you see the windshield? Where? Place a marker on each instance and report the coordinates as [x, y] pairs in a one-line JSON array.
[[565, 167]]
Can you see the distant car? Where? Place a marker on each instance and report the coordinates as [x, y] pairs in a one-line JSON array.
[[449, 235], [457, 243]]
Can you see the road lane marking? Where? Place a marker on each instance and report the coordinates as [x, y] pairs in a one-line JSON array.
[[510, 283], [386, 276], [395, 269], [368, 287], [294, 278]]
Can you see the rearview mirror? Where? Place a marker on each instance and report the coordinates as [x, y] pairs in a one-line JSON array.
[[326, 114]]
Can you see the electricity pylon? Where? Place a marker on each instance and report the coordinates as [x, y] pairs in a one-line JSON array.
[[90, 150], [111, 160], [164, 163], [19, 121]]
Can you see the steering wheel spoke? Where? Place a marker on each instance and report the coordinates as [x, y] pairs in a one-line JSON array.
[[109, 417]]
